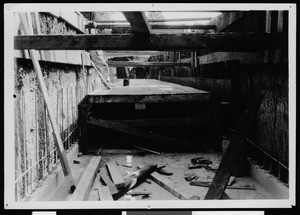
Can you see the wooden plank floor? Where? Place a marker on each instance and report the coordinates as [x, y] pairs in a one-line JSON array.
[[149, 90]]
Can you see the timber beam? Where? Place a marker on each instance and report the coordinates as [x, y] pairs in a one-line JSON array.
[[128, 27], [226, 19], [214, 42], [157, 20], [144, 64], [138, 22]]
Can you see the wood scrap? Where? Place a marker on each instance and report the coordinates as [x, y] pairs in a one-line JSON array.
[[137, 179], [84, 186], [137, 193], [163, 171], [176, 189], [115, 174], [104, 193], [190, 176], [147, 150], [208, 184], [207, 167], [201, 160], [105, 178]]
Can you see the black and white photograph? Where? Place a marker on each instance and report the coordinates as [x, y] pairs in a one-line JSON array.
[[125, 106]]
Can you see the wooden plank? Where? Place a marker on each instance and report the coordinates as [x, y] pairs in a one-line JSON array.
[[127, 27], [134, 181], [234, 150], [105, 177], [115, 174], [84, 186], [176, 189], [138, 22], [58, 142], [235, 187], [104, 194], [107, 85], [200, 42], [139, 132], [144, 64], [156, 20], [197, 27], [113, 53]]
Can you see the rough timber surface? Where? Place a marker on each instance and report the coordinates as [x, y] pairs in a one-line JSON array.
[[148, 90]]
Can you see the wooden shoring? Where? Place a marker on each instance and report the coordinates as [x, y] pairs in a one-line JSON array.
[[232, 155], [138, 132], [144, 64], [63, 159], [157, 20], [215, 42], [98, 72], [138, 22]]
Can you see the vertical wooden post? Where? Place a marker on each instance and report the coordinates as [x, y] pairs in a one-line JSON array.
[[62, 116], [67, 129], [64, 161], [46, 138], [38, 28]]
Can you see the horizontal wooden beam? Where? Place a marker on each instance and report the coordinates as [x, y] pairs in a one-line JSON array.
[[144, 64], [159, 28], [150, 135], [157, 20], [200, 27], [213, 42], [128, 27]]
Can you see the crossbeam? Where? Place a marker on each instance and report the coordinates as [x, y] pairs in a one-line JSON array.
[[157, 20], [138, 22], [144, 64], [128, 27], [213, 42]]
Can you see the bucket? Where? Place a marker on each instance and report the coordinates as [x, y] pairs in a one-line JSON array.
[[125, 82]]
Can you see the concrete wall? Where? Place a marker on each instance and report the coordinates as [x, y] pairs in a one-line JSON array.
[[67, 82]]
